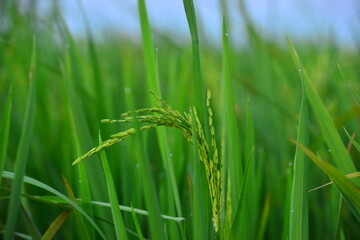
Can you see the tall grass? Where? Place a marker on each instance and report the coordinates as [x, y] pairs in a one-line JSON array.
[[209, 153]]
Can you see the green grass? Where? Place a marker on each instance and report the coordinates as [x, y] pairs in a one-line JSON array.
[[225, 167], [22, 152]]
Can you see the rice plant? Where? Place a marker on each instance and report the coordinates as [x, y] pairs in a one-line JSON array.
[[238, 142]]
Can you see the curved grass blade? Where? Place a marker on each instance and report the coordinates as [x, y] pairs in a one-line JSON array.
[[57, 201], [116, 214], [4, 131], [34, 182], [325, 123], [22, 152], [349, 190], [55, 225]]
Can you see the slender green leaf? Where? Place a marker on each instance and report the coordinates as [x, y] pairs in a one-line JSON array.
[[154, 84], [151, 199], [325, 123], [116, 214], [199, 225], [254, 187], [299, 199], [198, 84], [75, 117], [232, 141], [22, 152]]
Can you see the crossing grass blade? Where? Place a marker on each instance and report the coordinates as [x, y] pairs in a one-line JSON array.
[[55, 225], [299, 196], [36, 183], [349, 190], [4, 131], [116, 214], [22, 152], [58, 201]]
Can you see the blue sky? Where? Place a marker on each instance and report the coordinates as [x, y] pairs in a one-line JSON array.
[[308, 20]]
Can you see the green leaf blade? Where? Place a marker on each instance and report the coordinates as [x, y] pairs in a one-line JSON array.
[[116, 214], [298, 226], [22, 152]]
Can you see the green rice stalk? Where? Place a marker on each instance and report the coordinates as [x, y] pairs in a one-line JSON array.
[[153, 83]]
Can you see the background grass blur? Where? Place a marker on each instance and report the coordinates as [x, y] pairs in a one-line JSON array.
[[67, 84]]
